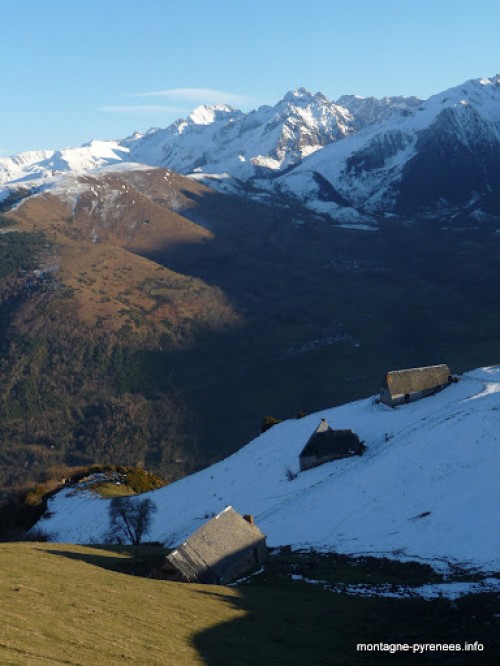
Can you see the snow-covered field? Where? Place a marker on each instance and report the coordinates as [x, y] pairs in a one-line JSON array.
[[427, 487]]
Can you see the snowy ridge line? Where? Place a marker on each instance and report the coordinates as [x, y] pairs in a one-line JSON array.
[[347, 160]]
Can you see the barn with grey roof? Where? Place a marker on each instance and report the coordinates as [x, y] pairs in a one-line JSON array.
[[326, 444], [400, 386], [225, 548]]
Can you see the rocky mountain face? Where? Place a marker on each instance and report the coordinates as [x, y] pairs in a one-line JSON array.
[[219, 139], [439, 158], [369, 110]]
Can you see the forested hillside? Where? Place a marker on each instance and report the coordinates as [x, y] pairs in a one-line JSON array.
[[147, 320]]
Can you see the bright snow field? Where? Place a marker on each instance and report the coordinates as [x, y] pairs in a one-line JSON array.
[[426, 488]]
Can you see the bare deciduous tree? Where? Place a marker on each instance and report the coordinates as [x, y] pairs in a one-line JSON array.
[[130, 519]]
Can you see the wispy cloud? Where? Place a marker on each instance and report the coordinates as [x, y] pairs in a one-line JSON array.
[[141, 109], [197, 95], [4, 151], [182, 100]]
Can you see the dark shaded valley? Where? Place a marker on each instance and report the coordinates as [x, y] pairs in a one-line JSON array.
[[328, 311], [161, 329]]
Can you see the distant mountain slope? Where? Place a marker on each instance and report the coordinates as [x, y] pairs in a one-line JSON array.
[[105, 226], [85, 308], [39, 167], [440, 158], [425, 488]]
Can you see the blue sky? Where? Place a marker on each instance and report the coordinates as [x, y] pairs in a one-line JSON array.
[[73, 70]]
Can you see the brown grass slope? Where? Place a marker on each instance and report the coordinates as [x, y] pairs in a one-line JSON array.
[[75, 605], [101, 228]]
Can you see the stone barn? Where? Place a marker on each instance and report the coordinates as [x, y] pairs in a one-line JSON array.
[[225, 548], [326, 444], [400, 386]]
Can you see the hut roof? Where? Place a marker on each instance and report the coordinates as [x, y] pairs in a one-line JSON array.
[[325, 441], [411, 380], [215, 547]]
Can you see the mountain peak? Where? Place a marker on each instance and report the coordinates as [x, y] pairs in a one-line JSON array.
[[301, 95], [474, 86], [297, 93], [494, 81], [481, 94], [206, 114]]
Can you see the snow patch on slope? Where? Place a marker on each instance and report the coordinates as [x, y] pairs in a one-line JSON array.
[[450, 591]]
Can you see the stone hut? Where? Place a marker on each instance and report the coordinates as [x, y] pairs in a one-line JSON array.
[[400, 386], [220, 551], [326, 444]]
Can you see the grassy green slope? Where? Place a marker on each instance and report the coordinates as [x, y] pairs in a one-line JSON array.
[[64, 604], [57, 607]]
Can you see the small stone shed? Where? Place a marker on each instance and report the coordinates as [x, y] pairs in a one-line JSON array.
[[400, 386], [225, 548], [326, 444]]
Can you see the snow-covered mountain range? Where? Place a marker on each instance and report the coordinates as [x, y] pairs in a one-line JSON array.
[[218, 139], [426, 487], [353, 159], [441, 157]]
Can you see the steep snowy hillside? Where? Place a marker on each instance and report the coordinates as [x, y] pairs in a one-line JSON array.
[[441, 157], [370, 110], [427, 486]]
